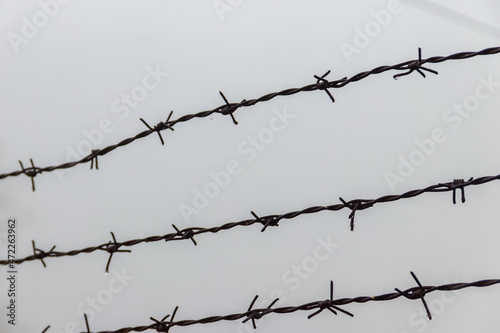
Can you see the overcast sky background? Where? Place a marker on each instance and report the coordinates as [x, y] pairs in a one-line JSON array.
[[68, 80]]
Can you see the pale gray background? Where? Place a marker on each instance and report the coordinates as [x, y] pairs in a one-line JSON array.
[[65, 79]]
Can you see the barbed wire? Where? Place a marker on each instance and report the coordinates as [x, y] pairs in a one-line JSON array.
[[229, 108], [333, 305], [354, 205]]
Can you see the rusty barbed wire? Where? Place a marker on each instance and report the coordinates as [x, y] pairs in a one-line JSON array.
[[229, 108], [333, 305], [267, 221]]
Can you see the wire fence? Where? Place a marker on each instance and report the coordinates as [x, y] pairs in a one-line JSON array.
[[228, 109], [322, 83], [354, 205], [333, 305]]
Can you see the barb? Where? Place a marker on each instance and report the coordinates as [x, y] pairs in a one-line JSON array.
[[94, 155], [415, 65], [86, 323], [322, 84], [457, 185], [229, 108], [39, 254], [328, 305], [416, 294], [161, 325], [252, 314], [31, 172], [258, 313], [160, 126], [185, 234], [355, 205], [269, 220], [111, 248]]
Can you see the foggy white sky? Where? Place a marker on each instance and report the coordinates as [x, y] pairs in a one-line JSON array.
[[83, 77]]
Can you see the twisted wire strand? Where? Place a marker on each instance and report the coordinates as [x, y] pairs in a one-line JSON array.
[[229, 108], [413, 293], [266, 221]]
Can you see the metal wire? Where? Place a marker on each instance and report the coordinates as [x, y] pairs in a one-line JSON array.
[[266, 221], [333, 305], [229, 108]]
